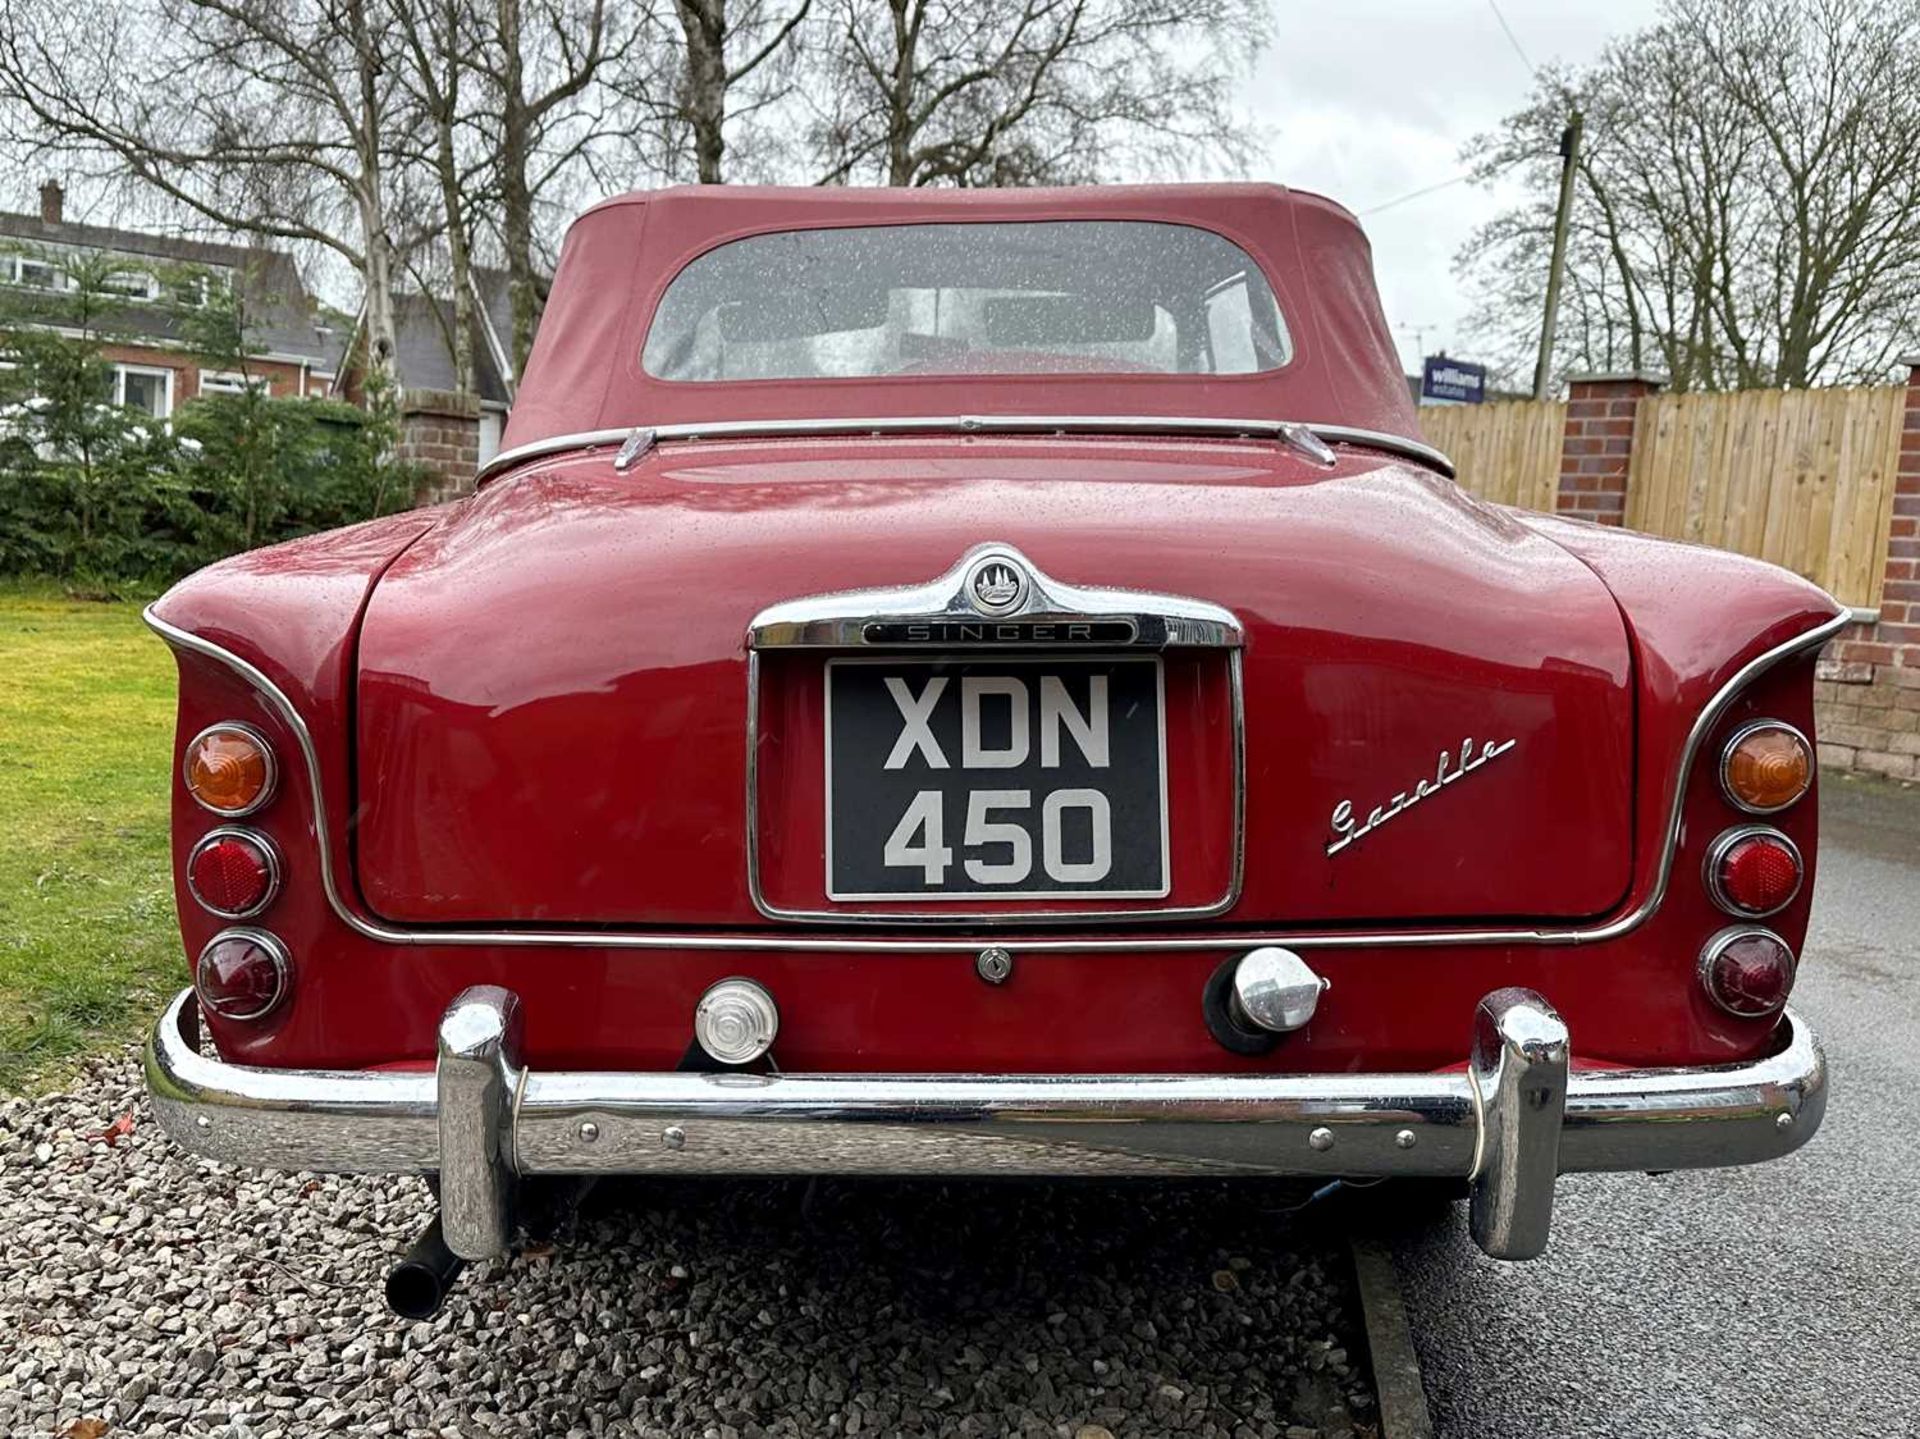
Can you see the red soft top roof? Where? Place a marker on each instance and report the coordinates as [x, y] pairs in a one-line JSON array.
[[585, 375]]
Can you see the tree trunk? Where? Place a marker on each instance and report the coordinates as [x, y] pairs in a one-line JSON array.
[[705, 107], [906, 34], [516, 196], [458, 255], [377, 259]]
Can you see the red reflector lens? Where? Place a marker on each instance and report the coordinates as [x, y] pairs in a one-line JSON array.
[[1748, 972], [233, 873], [242, 974], [1753, 871]]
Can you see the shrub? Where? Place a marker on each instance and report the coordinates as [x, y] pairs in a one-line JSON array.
[[95, 493]]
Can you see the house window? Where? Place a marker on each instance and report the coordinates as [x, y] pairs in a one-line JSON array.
[[31, 274], [140, 387], [231, 382], [195, 289], [133, 284]]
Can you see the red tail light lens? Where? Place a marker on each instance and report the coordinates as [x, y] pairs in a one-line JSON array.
[[1753, 871], [243, 974], [1747, 971], [234, 872]]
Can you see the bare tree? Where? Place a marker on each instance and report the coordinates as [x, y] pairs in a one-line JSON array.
[[1748, 201], [981, 92], [436, 37], [273, 119], [727, 43], [539, 62]]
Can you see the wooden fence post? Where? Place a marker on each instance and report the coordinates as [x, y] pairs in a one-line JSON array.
[[1867, 690], [1596, 447]]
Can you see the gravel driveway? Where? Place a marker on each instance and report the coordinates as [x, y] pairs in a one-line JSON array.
[[164, 1295]]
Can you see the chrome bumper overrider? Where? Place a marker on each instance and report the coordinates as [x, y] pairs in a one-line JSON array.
[[1510, 1123]]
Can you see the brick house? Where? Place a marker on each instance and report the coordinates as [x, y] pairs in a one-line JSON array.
[[152, 368]]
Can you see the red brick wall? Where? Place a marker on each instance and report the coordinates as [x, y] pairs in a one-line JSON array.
[[441, 432], [1597, 447], [1867, 695]]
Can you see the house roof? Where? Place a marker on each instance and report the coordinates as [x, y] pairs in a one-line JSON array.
[[423, 338], [282, 313]]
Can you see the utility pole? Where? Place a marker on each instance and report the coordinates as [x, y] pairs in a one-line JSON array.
[[1569, 162]]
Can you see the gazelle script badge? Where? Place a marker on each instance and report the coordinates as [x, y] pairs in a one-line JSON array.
[[1450, 770], [997, 587]]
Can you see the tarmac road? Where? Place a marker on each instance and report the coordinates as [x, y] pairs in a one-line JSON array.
[[1772, 1302]]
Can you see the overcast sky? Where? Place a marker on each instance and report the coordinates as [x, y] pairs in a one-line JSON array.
[[1368, 100]]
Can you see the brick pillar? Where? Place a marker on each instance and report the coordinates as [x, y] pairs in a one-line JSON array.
[[440, 431], [1597, 446], [1867, 690]]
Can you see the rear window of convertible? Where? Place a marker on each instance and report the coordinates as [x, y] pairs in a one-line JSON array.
[[1048, 297]]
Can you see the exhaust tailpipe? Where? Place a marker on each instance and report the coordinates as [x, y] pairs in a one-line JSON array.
[[418, 1284]]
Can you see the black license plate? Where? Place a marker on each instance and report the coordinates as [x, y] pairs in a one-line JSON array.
[[1035, 779]]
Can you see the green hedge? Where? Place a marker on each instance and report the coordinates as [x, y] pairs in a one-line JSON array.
[[97, 494], [229, 473]]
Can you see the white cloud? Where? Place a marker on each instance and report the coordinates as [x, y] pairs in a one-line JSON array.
[[1369, 100]]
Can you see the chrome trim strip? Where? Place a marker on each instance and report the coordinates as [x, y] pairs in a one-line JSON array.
[[577, 1122], [1612, 929], [276, 869], [974, 425], [841, 620], [1717, 851]]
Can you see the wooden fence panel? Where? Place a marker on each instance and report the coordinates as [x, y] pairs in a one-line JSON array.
[[1803, 478], [1507, 452]]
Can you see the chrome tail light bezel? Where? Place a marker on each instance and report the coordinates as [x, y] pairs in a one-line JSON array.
[[275, 949], [1711, 951], [270, 760], [276, 869], [1724, 843], [1727, 791]]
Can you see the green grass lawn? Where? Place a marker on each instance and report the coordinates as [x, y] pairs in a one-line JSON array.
[[88, 947]]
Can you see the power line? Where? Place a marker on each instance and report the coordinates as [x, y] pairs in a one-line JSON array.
[[1460, 179], [1518, 49], [1512, 39], [1417, 194]]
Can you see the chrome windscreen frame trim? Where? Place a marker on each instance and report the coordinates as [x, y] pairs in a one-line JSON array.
[[1518, 1116], [1624, 924], [1206, 426]]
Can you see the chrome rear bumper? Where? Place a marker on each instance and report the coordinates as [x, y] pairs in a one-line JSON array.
[[1510, 1123]]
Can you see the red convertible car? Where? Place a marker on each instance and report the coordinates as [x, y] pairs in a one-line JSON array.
[[985, 683]]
